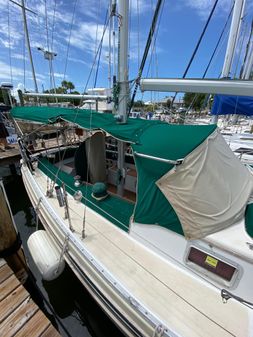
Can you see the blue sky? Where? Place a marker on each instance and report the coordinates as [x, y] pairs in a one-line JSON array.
[[180, 27]]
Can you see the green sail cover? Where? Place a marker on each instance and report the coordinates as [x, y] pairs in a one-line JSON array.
[[154, 138], [249, 220], [86, 119]]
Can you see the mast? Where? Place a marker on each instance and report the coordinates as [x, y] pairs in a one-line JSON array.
[[24, 9], [232, 41], [248, 60], [249, 64], [233, 36], [123, 9], [28, 44]]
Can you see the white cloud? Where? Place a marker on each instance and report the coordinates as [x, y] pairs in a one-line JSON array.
[[88, 35], [59, 75], [203, 7], [19, 56], [75, 60], [139, 7], [17, 73], [6, 72]]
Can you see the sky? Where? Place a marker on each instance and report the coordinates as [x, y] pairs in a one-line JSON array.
[[72, 29]]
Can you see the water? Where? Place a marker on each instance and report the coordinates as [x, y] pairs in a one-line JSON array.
[[72, 309]]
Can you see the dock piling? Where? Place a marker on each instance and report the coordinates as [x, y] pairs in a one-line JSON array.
[[10, 242]]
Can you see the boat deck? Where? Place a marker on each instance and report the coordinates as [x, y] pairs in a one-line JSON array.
[[177, 298], [19, 315], [113, 208]]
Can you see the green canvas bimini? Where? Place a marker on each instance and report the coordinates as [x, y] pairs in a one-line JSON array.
[[153, 138]]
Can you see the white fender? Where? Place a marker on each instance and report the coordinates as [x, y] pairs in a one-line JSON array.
[[45, 255]]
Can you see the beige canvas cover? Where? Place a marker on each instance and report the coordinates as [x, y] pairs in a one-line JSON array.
[[209, 190]]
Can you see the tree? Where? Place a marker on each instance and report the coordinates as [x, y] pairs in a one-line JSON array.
[[139, 104], [63, 90], [195, 101], [64, 85], [67, 86], [168, 103], [71, 86], [76, 102]]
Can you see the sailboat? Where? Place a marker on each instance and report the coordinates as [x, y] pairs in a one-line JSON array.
[[156, 220]]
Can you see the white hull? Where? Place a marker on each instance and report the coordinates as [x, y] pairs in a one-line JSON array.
[[138, 289]]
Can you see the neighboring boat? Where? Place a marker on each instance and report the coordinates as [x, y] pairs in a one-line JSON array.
[[156, 220], [237, 134]]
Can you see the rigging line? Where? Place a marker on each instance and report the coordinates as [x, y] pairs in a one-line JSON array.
[[53, 78], [129, 32], [96, 35], [87, 201], [197, 46], [46, 25], [96, 74], [110, 50], [94, 62], [151, 59], [155, 58], [138, 31], [113, 19], [216, 47], [68, 45], [53, 26], [35, 130], [146, 50], [247, 49], [213, 55], [99, 55], [24, 63], [63, 155], [155, 37], [9, 41], [73, 211], [47, 43], [240, 49]]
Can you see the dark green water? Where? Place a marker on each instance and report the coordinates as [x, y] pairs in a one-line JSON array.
[[71, 308]]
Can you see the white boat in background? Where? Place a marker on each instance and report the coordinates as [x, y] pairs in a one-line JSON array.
[[159, 231]]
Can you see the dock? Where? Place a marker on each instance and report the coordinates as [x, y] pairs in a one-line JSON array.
[[11, 156], [19, 315]]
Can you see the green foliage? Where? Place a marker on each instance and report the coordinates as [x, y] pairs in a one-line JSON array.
[[168, 103], [63, 89], [139, 104], [67, 86], [196, 101], [149, 108], [4, 98]]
